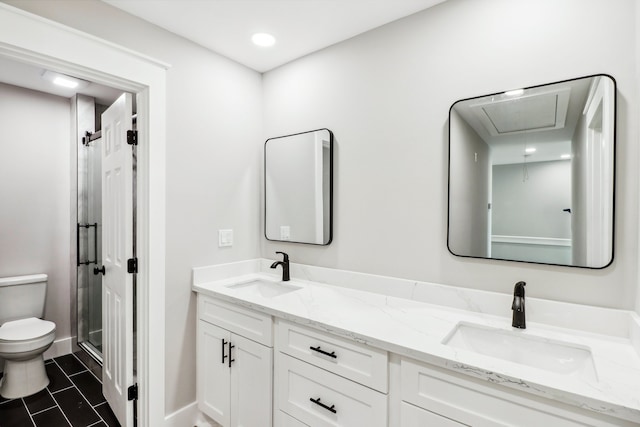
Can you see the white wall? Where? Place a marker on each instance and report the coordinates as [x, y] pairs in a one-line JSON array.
[[533, 206], [214, 142], [635, 114], [470, 190], [35, 191], [579, 183], [386, 96]]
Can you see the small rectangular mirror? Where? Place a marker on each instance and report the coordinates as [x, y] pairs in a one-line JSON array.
[[298, 182], [531, 174]]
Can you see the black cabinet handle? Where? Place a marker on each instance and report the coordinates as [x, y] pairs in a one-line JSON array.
[[230, 359], [326, 353], [328, 408], [224, 356], [97, 270]]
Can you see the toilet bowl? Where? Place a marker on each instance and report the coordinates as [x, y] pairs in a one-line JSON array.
[[22, 343], [23, 336]]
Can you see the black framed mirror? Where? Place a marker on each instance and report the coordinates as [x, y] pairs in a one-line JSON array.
[[298, 183], [532, 174]]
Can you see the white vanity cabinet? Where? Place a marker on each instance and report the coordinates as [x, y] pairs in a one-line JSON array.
[[234, 364], [305, 366], [324, 380], [432, 396]]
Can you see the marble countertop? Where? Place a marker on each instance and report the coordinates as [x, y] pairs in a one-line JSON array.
[[417, 330]]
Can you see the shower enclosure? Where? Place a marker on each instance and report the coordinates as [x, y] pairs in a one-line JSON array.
[[89, 229]]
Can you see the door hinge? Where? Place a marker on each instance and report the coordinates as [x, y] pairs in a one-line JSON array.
[[132, 392], [132, 137], [132, 265]]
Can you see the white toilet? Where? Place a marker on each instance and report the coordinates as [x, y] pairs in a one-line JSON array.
[[24, 336]]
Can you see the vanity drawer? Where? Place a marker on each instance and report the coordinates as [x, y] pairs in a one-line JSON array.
[[363, 364], [239, 320], [479, 403], [319, 398]]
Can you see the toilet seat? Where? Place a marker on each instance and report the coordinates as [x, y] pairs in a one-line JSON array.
[[27, 329]]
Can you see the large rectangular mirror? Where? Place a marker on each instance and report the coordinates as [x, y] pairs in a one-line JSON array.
[[298, 180], [531, 174]]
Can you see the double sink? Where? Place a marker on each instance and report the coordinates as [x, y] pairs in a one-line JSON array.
[[514, 346]]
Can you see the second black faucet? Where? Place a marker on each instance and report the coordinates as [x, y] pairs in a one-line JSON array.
[[517, 306], [285, 266]]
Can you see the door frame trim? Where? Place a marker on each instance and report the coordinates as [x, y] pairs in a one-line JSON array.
[[38, 41]]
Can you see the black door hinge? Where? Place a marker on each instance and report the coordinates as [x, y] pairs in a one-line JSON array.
[[132, 265], [132, 137], [132, 392]]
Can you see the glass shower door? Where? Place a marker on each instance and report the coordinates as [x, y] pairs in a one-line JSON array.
[[89, 246]]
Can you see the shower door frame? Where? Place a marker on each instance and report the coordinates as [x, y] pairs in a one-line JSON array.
[[41, 42], [81, 159]]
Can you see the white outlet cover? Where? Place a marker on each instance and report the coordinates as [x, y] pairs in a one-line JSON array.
[[285, 232]]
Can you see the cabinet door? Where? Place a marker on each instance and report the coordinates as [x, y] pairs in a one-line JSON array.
[[282, 419], [251, 383], [214, 379], [412, 416]]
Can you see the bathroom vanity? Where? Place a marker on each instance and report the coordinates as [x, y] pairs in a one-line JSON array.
[[304, 353]]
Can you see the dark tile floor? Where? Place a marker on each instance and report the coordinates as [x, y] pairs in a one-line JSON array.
[[73, 398]]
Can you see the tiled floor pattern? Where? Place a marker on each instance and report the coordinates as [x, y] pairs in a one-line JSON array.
[[73, 398]]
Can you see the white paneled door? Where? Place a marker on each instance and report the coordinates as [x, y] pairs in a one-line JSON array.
[[117, 248]]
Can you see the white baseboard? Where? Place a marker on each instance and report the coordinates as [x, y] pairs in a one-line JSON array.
[[59, 348], [189, 416]]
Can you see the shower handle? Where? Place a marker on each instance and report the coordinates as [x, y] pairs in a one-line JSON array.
[[97, 270]]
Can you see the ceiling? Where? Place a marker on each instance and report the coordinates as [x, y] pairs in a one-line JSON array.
[[226, 26], [299, 26], [544, 118]]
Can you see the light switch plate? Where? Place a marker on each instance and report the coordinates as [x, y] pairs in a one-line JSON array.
[[225, 238]]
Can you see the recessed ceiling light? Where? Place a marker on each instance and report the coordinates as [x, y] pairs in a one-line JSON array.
[[565, 156], [516, 92], [263, 39], [64, 80], [530, 150]]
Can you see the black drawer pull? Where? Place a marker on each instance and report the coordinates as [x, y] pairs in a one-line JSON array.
[[319, 350], [317, 402], [230, 359], [224, 356]]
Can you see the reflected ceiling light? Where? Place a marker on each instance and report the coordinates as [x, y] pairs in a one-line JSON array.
[[263, 39], [530, 150], [64, 80], [565, 156], [516, 92]]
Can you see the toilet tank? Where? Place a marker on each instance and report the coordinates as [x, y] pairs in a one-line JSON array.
[[22, 297]]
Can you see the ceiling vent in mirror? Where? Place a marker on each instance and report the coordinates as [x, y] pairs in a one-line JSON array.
[[535, 110]]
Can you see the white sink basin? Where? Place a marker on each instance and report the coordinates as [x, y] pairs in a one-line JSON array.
[[515, 346], [264, 288]]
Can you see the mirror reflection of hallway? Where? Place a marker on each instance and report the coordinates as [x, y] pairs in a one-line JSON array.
[[531, 174]]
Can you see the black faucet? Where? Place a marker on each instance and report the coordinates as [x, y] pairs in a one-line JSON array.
[[518, 306], [285, 266]]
